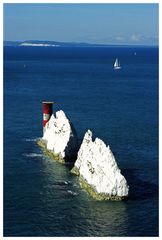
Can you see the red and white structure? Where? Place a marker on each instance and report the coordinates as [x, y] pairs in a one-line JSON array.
[[47, 112]]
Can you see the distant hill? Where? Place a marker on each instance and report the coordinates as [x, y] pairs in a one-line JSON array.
[[37, 43]]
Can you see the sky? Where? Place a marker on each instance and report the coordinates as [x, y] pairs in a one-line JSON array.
[[92, 23]]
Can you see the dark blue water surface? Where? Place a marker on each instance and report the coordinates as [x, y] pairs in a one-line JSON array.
[[41, 197]]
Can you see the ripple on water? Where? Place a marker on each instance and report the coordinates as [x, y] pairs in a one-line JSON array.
[[33, 155]]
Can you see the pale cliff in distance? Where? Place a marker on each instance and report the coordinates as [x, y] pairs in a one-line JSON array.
[[38, 43]]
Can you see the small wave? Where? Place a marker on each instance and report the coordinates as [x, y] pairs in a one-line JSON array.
[[61, 182], [32, 155], [30, 139], [68, 182], [72, 193]]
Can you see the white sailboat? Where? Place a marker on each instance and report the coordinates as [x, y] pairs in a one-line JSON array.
[[117, 64]]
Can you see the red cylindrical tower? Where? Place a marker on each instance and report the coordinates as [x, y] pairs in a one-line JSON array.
[[47, 112]]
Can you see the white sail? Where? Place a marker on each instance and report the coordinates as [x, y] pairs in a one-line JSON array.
[[117, 64]]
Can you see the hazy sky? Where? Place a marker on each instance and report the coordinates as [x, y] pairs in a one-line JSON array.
[[93, 23]]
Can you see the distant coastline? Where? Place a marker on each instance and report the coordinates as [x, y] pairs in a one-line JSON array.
[[38, 43]]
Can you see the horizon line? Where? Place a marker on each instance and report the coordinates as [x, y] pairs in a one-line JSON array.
[[88, 43]]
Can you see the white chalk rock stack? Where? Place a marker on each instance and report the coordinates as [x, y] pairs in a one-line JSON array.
[[60, 136], [98, 170]]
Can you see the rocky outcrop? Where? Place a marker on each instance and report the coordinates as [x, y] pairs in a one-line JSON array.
[[96, 166], [60, 138], [98, 171]]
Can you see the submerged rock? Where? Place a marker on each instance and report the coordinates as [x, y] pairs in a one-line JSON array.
[[60, 138], [98, 171]]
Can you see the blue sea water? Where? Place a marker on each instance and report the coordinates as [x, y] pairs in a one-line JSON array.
[[41, 197]]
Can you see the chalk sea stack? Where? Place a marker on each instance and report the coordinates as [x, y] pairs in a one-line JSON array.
[[98, 171], [95, 163], [59, 138]]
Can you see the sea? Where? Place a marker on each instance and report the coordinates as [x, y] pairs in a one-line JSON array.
[[41, 197]]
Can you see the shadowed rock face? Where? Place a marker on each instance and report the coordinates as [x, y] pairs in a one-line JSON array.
[[98, 171], [60, 137]]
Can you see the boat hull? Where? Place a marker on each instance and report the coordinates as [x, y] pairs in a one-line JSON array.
[[116, 68]]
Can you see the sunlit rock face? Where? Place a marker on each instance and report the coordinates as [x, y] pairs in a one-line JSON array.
[[98, 170], [60, 136]]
